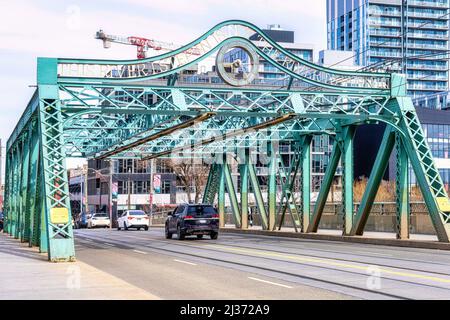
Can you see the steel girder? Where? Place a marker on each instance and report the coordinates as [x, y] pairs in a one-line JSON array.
[[101, 128], [95, 108]]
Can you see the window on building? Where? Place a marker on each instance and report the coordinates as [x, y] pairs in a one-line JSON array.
[[122, 186], [165, 187], [141, 166], [162, 166], [125, 165], [141, 187]]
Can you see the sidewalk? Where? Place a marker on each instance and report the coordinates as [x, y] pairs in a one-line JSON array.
[[367, 234], [379, 238], [26, 274]]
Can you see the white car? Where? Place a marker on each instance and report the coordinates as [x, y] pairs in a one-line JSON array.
[[133, 219], [98, 220]]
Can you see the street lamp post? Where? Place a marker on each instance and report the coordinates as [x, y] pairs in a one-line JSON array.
[[110, 195], [151, 191], [129, 189]]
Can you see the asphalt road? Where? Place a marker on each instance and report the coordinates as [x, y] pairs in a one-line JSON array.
[[261, 267]]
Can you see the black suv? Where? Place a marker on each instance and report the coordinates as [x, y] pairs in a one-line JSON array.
[[193, 219]]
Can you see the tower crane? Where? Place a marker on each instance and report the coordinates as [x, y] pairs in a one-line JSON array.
[[142, 44]]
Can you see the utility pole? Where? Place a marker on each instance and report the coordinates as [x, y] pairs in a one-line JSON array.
[[85, 192], [81, 191], [110, 193], [129, 189], [151, 191], [100, 196]]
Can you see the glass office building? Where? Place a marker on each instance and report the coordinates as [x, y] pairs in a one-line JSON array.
[[409, 37]]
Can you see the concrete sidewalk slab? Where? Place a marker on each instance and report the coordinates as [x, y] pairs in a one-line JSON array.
[[26, 274], [376, 238]]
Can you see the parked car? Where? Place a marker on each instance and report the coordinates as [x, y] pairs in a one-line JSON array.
[[193, 219], [98, 220], [81, 221], [133, 219]]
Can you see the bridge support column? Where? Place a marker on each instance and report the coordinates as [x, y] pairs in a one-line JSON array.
[[232, 195], [426, 172], [33, 199], [55, 196], [325, 188], [7, 203], [306, 183], [16, 193], [24, 192], [301, 149], [258, 194], [402, 192], [212, 184], [221, 198], [347, 191], [243, 171], [272, 190], [379, 167]]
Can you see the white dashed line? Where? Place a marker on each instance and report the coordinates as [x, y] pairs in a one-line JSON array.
[[186, 262], [108, 244], [269, 282], [141, 252]]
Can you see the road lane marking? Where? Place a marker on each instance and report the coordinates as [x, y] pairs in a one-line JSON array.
[[330, 262], [325, 261], [109, 244], [270, 282], [374, 253], [141, 252], [186, 262]]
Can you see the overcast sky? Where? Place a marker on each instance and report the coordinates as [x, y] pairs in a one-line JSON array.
[[34, 28]]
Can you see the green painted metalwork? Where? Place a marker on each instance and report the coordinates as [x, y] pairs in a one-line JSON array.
[[212, 184], [243, 171], [33, 196], [428, 178], [402, 192], [379, 167], [232, 195], [272, 190], [347, 177], [306, 183], [325, 188], [148, 108], [24, 194], [221, 197], [56, 192], [287, 197], [6, 202], [259, 200]]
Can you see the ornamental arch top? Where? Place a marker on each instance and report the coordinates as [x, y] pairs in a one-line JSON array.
[[153, 107]]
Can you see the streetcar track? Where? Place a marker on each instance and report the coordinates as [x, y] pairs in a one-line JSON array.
[[278, 260], [281, 272], [331, 258]]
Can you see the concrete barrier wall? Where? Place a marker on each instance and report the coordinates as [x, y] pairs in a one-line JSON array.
[[420, 224], [381, 219]]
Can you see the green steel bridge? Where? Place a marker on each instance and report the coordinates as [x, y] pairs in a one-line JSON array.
[[147, 109]]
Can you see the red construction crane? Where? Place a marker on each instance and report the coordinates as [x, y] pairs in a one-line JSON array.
[[142, 44]]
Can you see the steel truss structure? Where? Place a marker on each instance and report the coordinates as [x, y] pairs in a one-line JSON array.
[[145, 109]]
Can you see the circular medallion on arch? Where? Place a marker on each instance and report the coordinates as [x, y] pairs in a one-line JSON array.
[[237, 63]]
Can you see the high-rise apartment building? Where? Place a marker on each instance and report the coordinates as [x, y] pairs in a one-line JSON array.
[[406, 36]]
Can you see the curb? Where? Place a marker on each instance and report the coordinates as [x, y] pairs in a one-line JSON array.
[[356, 239]]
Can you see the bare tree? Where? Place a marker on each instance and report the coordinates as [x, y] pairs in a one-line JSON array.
[[191, 175]]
